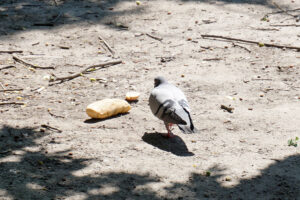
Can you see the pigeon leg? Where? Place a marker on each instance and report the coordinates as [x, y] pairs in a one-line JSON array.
[[170, 134], [171, 126]]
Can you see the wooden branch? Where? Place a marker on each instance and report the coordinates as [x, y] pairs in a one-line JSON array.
[[12, 51], [252, 42], [102, 65], [7, 67], [8, 90], [11, 103], [154, 37], [19, 60], [107, 45]]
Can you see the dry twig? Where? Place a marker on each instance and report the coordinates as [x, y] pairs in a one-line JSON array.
[[51, 128], [265, 29], [154, 37], [102, 65], [53, 115], [2, 86], [261, 79], [107, 45], [7, 67], [10, 90], [251, 42], [12, 51], [211, 59], [284, 11], [236, 45], [228, 109], [296, 25], [11, 103], [281, 11], [19, 60], [49, 23]]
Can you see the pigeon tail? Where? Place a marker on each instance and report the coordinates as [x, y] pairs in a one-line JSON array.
[[188, 128]]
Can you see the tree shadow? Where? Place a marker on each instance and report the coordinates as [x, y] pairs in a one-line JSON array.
[[23, 15], [259, 2], [26, 174], [173, 145], [280, 180]]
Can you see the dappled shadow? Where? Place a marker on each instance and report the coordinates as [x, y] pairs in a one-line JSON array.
[[260, 2], [37, 174], [17, 138], [26, 174], [174, 145], [280, 180], [23, 15]]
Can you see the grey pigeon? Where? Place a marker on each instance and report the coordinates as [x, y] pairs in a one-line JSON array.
[[168, 103]]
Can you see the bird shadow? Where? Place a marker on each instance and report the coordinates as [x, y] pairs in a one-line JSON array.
[[173, 145], [93, 121]]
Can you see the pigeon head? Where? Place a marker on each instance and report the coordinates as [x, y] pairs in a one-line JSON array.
[[159, 80]]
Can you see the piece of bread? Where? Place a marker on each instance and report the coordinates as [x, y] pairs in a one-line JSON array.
[[107, 108], [132, 96]]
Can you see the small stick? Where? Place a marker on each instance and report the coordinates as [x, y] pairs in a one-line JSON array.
[[51, 128], [265, 29], [251, 42], [296, 25], [203, 47], [107, 45], [281, 11], [19, 60], [228, 109], [291, 10], [85, 71], [236, 45], [63, 47], [53, 115], [211, 59], [7, 90], [49, 23], [286, 12], [7, 67], [11, 103], [261, 79], [154, 37], [12, 51], [2, 86]]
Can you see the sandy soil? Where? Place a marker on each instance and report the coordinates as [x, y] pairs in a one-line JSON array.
[[239, 155]]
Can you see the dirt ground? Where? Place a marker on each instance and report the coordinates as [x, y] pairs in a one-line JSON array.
[[239, 155]]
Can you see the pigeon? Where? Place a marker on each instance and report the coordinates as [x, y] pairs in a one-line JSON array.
[[169, 104]]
